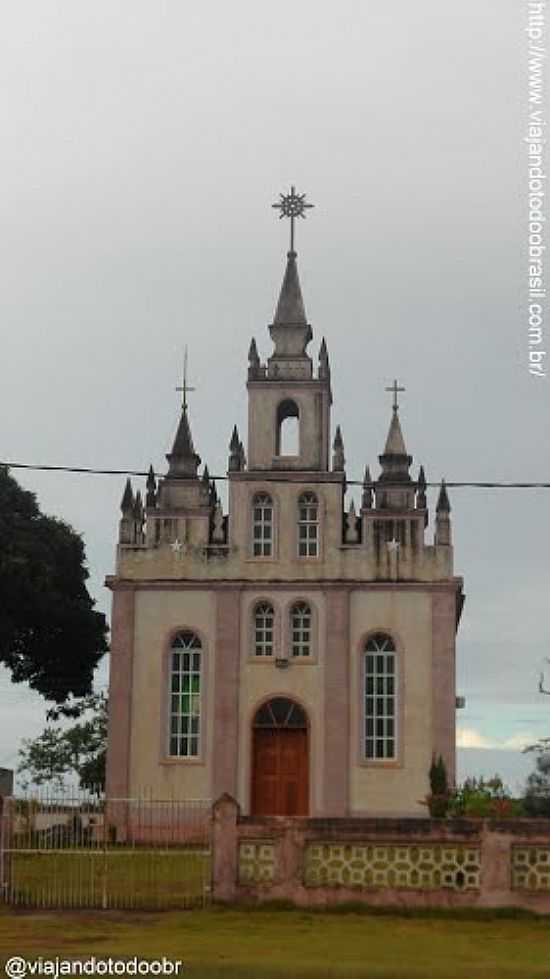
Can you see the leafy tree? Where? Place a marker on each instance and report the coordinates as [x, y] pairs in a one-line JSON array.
[[537, 790], [78, 750], [50, 635]]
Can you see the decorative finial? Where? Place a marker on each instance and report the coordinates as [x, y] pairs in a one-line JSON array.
[[185, 387], [151, 495], [366, 500], [253, 358], [127, 502], [443, 505], [395, 389], [338, 459], [292, 206]]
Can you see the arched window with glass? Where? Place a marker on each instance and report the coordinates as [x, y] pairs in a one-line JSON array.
[[380, 662], [264, 618], [300, 629], [308, 525], [262, 525], [185, 695]]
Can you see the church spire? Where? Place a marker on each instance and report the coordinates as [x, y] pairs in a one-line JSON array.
[[395, 460], [290, 308], [290, 330], [395, 443], [183, 460]]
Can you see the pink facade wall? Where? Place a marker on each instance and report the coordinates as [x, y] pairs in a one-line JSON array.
[[226, 693], [337, 705], [443, 678], [120, 693]]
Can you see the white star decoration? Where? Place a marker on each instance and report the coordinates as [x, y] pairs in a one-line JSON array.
[[393, 546], [176, 546]]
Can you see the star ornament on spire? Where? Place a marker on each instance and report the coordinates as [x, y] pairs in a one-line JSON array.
[[292, 206]]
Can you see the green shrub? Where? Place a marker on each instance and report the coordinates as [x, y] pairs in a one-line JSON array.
[[484, 799]]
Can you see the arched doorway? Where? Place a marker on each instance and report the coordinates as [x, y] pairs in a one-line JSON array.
[[280, 763]]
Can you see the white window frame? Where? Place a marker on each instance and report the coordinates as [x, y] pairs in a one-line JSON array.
[[263, 627], [185, 717], [308, 525], [262, 544], [300, 647], [380, 699]]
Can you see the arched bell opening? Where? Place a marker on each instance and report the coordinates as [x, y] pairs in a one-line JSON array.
[[288, 429]]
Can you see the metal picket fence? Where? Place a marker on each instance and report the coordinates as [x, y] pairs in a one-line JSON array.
[[87, 851]]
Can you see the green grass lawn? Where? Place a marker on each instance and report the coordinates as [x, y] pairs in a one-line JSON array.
[[231, 944], [126, 878]]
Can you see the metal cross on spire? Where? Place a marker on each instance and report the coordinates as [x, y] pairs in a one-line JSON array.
[[185, 388], [395, 389], [292, 206]]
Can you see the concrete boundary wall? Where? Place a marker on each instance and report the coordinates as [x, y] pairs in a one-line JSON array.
[[384, 862]]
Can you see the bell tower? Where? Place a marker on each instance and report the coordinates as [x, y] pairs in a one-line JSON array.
[[284, 393]]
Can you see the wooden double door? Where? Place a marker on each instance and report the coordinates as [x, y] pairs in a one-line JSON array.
[[280, 763]]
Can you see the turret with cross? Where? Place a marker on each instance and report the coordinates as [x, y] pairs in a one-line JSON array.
[[183, 460], [395, 460]]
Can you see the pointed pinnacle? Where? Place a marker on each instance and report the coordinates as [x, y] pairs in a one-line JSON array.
[[206, 475], [443, 505], [323, 352], [421, 479], [127, 502], [234, 443], [253, 358], [151, 481], [138, 506], [338, 440], [367, 477]]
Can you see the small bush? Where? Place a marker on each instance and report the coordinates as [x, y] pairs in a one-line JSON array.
[[484, 799]]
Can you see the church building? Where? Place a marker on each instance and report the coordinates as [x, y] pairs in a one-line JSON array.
[[295, 652]]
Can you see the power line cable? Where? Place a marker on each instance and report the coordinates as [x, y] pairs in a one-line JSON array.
[[453, 484]]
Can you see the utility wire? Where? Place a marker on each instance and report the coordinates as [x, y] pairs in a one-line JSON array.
[[85, 470]]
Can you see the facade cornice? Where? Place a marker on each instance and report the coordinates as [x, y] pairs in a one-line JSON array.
[[284, 382], [115, 583], [290, 476]]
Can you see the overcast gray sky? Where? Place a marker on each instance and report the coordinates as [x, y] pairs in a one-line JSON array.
[[143, 144]]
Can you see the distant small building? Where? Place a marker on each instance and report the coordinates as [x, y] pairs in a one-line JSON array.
[[298, 651]]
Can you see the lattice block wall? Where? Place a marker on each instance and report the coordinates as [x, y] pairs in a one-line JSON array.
[[402, 867], [531, 868], [256, 862]]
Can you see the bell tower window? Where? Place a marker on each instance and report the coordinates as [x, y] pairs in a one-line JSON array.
[[288, 429]]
